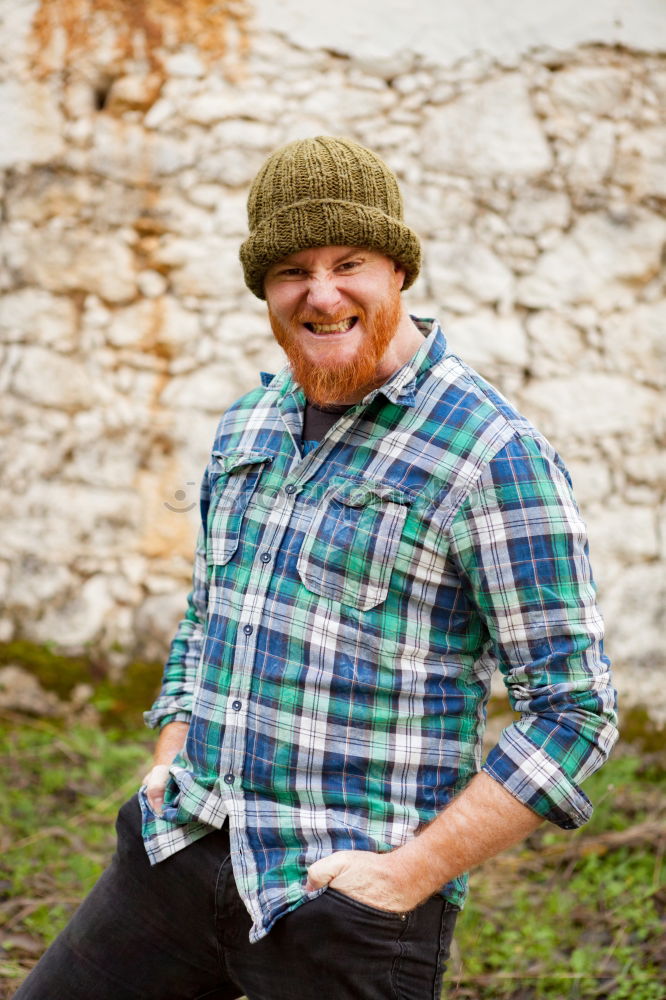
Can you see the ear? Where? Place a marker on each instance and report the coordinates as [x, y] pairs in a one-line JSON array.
[[400, 271]]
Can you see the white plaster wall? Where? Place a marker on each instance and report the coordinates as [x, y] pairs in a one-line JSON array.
[[531, 151], [446, 31]]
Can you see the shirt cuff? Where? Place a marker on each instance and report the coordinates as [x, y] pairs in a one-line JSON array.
[[536, 780], [167, 710]]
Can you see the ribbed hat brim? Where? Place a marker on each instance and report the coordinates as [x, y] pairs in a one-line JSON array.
[[327, 222]]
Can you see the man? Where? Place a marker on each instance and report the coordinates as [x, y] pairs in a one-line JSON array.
[[381, 530]]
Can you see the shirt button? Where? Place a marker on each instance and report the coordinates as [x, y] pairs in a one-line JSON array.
[[247, 629], [236, 705], [290, 489], [229, 779], [265, 557]]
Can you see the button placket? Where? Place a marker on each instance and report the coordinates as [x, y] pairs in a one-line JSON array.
[[231, 760]]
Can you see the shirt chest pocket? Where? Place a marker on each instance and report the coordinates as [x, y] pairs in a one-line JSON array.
[[349, 549], [233, 480]]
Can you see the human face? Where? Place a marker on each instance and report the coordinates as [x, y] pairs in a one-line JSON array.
[[336, 311]]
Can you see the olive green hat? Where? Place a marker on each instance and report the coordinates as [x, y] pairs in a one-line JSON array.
[[320, 192]]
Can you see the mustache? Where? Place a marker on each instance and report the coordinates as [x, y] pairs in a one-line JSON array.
[[311, 316]]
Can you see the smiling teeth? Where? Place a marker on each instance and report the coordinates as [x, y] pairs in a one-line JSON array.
[[333, 327]]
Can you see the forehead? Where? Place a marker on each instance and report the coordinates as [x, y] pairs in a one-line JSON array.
[[327, 256]]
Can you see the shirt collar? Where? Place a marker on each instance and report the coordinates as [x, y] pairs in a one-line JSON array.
[[400, 388]]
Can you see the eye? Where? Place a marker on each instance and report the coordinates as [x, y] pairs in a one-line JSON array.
[[287, 272], [349, 265]]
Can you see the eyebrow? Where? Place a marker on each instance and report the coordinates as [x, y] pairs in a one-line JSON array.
[[351, 252]]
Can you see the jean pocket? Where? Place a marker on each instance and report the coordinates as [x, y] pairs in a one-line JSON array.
[[147, 811], [365, 908], [349, 550], [169, 811]]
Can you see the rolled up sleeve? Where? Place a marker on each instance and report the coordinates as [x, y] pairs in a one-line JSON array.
[[521, 546]]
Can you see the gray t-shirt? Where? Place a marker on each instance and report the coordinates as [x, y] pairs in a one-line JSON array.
[[318, 420]]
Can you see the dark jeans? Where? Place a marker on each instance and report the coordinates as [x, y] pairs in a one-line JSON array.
[[179, 931]]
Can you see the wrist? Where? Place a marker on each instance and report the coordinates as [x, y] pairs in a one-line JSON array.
[[171, 741], [408, 871], [420, 867], [158, 772]]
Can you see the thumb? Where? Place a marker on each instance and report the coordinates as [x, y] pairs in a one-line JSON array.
[[155, 782], [324, 871], [156, 800]]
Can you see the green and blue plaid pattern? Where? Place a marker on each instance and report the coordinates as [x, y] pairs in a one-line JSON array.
[[349, 608]]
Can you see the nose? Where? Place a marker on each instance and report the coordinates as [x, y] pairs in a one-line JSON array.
[[323, 294]]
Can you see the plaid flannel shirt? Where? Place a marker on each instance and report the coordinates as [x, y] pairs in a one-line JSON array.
[[348, 610]]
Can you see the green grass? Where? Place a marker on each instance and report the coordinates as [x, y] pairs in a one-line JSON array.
[[566, 915], [62, 790]]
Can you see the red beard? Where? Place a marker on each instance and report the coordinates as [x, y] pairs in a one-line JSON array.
[[330, 380]]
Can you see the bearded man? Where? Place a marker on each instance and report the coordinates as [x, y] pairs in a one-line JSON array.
[[381, 531]]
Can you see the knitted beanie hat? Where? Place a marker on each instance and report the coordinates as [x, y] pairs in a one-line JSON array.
[[325, 192]]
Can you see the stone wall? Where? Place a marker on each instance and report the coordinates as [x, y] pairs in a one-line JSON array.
[[536, 183]]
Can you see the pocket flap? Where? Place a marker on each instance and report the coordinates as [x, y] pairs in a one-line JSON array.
[[229, 461], [370, 493]]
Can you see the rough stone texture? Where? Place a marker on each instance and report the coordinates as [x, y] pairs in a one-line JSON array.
[[33, 122], [20, 691], [536, 181], [596, 261], [641, 162], [51, 380], [490, 147]]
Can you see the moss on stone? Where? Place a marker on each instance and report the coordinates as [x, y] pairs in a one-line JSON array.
[[641, 731], [54, 671], [120, 702]]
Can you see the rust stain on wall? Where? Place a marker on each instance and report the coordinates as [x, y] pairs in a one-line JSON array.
[[63, 31], [117, 52]]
